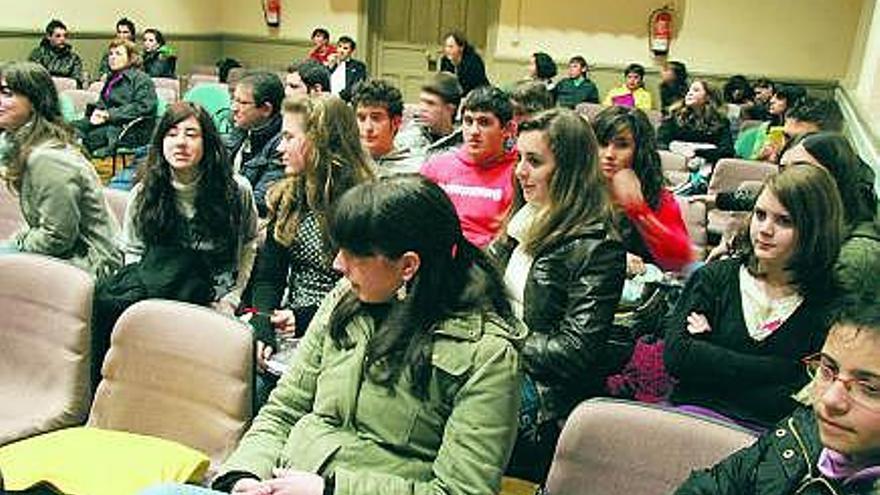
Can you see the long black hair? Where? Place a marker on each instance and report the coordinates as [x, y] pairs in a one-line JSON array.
[[400, 214], [218, 210], [646, 161]]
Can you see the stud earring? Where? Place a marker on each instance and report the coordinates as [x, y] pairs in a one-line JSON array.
[[400, 294]]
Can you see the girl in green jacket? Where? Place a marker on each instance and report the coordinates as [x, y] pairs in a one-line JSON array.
[[61, 200], [407, 380]]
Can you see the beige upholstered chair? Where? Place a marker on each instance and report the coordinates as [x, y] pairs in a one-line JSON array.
[[172, 84], [694, 215], [611, 446], [10, 213], [180, 372], [729, 175], [63, 83], [588, 110], [45, 349], [674, 167], [81, 99]]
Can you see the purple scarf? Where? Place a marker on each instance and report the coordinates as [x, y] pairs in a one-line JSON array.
[[837, 466], [105, 94]]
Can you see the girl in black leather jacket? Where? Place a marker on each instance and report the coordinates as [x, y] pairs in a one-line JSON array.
[[564, 272]]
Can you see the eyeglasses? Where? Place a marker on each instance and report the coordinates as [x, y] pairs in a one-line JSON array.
[[863, 391], [243, 102]]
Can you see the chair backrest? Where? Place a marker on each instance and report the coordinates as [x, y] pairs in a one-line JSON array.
[[96, 87], [180, 372], [213, 97], [10, 213], [588, 110], [117, 200], [694, 215], [729, 173], [79, 100], [167, 95], [199, 79], [615, 446], [63, 83], [46, 305], [168, 83], [672, 162]]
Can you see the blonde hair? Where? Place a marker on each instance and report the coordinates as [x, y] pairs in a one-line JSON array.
[[335, 162]]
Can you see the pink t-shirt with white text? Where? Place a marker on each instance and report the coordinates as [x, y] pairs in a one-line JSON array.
[[481, 193]]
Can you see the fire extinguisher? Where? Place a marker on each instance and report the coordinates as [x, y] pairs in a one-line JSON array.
[[660, 31], [272, 12]]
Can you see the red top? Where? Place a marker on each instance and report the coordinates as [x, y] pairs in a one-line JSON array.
[[322, 53], [663, 231], [481, 192]]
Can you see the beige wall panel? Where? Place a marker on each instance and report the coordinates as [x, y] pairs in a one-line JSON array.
[[177, 16], [809, 39], [298, 18]]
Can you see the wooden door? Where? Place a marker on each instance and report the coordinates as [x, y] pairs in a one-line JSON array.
[[406, 36]]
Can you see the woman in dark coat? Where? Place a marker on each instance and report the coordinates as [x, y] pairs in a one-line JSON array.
[[460, 58]]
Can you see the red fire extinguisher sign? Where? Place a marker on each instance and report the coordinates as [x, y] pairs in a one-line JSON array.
[[660, 31], [272, 12]]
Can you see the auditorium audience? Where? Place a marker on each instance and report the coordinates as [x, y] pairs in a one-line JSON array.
[[741, 325], [128, 94], [632, 92], [159, 57], [674, 84], [564, 273], [61, 199], [322, 49], [434, 129], [698, 119], [832, 448], [322, 159], [253, 143], [125, 30], [650, 223], [188, 198], [56, 55], [345, 71], [378, 105], [306, 78], [577, 87], [477, 176], [462, 59], [407, 380]]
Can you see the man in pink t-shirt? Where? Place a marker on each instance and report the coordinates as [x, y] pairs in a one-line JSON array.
[[478, 176]]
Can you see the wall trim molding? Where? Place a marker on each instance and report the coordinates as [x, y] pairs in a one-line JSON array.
[[827, 84], [205, 37], [858, 129]]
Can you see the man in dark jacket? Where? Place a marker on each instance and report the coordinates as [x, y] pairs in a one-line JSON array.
[[346, 72], [56, 55], [833, 449], [577, 87], [252, 145]]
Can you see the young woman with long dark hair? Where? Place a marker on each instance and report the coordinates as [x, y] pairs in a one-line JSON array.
[[188, 198]]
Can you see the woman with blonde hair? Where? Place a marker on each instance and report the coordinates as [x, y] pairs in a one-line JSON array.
[[322, 159]]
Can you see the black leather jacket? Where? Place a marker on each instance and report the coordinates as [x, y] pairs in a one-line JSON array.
[[570, 296], [782, 462]]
